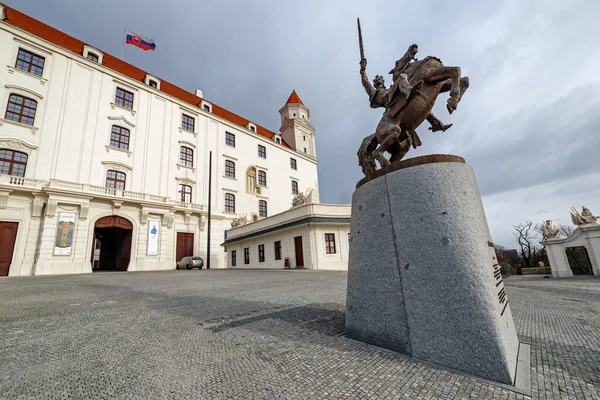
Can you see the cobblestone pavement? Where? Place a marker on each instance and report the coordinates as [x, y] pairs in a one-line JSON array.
[[225, 334]]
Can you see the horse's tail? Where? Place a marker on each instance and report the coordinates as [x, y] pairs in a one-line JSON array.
[[365, 154]]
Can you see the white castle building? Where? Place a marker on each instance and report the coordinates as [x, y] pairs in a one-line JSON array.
[[105, 166]]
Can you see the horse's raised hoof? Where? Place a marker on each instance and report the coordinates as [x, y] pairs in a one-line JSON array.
[[452, 104]]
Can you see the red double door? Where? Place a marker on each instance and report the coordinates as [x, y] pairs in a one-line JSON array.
[[8, 236], [185, 245]]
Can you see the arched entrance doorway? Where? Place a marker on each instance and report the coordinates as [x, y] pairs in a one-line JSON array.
[[111, 249]]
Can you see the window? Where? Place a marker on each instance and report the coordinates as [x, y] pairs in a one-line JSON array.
[[262, 178], [278, 140], [119, 138], [229, 169], [29, 62], [93, 57], [229, 203], [12, 162], [294, 187], [329, 243], [187, 123], [206, 108], [304, 138], [21, 109], [305, 149], [186, 156], [252, 128], [229, 139], [153, 83], [185, 193], [124, 98], [278, 250], [262, 151], [262, 208], [246, 255], [233, 258], [293, 164], [261, 253], [115, 180]]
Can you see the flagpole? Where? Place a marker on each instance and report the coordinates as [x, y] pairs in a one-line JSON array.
[[123, 44]]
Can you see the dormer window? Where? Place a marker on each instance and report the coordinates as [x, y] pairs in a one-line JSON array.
[[92, 57], [206, 106], [92, 54], [278, 140], [152, 81], [251, 127]]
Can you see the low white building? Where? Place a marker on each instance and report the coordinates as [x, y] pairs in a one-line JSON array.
[[311, 236], [105, 166]]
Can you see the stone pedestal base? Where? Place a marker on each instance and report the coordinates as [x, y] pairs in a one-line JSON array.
[[422, 275]]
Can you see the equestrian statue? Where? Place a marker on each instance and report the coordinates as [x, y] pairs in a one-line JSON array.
[[408, 102]]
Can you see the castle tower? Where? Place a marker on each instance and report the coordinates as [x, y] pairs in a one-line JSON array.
[[295, 128]]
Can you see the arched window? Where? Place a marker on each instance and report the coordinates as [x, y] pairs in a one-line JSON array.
[[21, 109], [262, 178], [229, 169], [185, 193], [262, 208], [186, 156], [12, 162], [115, 179], [229, 203], [119, 138]]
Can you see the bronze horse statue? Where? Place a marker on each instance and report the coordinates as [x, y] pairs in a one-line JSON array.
[[424, 80]]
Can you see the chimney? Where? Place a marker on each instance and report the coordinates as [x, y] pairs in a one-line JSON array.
[[199, 93]]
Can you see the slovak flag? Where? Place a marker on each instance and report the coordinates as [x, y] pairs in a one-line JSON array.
[[139, 41]]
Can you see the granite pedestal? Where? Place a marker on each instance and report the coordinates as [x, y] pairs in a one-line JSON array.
[[423, 279]]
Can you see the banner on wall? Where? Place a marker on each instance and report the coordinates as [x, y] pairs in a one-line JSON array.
[[65, 231], [153, 228]]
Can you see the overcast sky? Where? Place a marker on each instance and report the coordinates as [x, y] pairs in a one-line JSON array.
[[529, 124]]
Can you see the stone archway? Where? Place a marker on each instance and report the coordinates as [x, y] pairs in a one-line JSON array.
[[585, 258], [111, 247]]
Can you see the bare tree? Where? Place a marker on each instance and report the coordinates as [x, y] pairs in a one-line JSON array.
[[525, 234], [566, 230]]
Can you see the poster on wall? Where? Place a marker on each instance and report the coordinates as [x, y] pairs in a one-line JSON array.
[[153, 227], [64, 233]]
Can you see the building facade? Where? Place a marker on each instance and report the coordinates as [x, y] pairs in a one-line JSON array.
[[310, 236], [105, 166]]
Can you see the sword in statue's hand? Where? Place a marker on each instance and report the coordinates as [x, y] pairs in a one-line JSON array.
[[363, 60]]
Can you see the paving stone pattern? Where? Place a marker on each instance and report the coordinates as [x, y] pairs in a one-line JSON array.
[[232, 334]]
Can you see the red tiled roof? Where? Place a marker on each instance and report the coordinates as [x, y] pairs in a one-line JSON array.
[[61, 39], [294, 99]]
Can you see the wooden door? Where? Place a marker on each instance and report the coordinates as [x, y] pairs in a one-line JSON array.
[[126, 251], [299, 251], [8, 236], [185, 245]]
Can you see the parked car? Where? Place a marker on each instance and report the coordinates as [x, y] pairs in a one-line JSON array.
[[190, 262]]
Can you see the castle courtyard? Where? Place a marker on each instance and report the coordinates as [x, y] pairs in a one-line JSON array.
[[235, 334]]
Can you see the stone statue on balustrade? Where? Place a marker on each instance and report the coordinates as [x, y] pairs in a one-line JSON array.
[[408, 102], [302, 198], [549, 230], [586, 216], [239, 221]]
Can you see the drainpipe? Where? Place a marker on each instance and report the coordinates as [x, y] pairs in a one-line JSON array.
[[209, 209]]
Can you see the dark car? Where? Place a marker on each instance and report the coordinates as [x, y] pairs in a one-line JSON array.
[[190, 262]]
